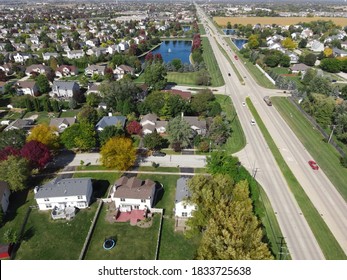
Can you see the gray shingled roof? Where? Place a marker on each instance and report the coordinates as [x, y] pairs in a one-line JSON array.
[[182, 191], [58, 121], [63, 187], [64, 85], [113, 120]]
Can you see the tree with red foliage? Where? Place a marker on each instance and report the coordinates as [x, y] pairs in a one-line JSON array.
[[36, 153], [8, 151], [149, 56], [134, 128], [158, 57]]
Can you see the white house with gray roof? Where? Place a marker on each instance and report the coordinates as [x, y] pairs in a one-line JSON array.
[[62, 123], [63, 193], [64, 88], [183, 208], [111, 121]]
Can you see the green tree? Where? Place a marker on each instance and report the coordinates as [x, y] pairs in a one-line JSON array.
[[179, 132], [153, 141], [88, 114], [93, 99], [331, 65], [12, 138], [200, 101], [219, 162], [109, 132], [80, 136], [219, 130], [320, 85], [288, 43], [155, 76], [203, 77], [285, 61], [118, 153], [309, 76], [253, 41], [15, 171], [42, 84], [310, 59]]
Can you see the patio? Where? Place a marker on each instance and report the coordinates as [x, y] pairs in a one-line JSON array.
[[113, 215]]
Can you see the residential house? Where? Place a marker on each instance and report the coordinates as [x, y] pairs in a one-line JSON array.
[[315, 46], [344, 44], [94, 87], [133, 193], [34, 40], [306, 33], [4, 196], [96, 51], [198, 126], [7, 68], [65, 89], [113, 49], [339, 53], [122, 70], [46, 56], [299, 68], [64, 193], [95, 69], [123, 46], [183, 208], [62, 123], [93, 42], [294, 58], [24, 124], [110, 121], [150, 123], [27, 87], [66, 71], [21, 57], [37, 68], [75, 54]]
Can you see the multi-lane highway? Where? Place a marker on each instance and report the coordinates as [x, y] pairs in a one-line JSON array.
[[257, 157]]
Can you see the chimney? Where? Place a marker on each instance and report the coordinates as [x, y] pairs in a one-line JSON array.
[[109, 114], [36, 189]]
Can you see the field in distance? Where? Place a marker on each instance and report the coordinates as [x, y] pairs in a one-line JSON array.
[[222, 21]]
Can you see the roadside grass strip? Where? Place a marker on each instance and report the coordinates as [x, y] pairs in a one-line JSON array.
[[326, 240], [211, 63]]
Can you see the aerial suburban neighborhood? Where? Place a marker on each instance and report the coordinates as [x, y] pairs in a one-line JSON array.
[[173, 130]]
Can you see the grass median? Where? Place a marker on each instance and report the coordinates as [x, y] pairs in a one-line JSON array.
[[326, 240]]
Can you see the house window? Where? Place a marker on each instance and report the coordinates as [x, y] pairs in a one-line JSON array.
[[136, 207], [79, 197], [185, 207], [143, 200], [46, 199], [48, 205], [122, 199], [184, 214]]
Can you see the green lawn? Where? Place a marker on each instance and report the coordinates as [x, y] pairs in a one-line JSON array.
[[110, 177], [211, 64], [46, 239], [324, 154], [42, 117], [237, 139], [10, 115], [202, 29], [280, 70], [174, 245], [255, 72], [327, 242], [188, 78], [69, 113], [159, 169], [133, 243]]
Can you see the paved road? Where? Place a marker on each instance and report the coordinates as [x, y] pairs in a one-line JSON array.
[[193, 161], [258, 159]]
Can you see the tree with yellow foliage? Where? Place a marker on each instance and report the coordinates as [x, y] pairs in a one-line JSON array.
[[118, 153], [45, 134], [289, 44], [328, 52]]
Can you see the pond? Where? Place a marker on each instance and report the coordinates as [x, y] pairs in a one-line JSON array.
[[239, 43], [174, 49], [229, 31]]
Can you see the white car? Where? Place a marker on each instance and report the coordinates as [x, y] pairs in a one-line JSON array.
[[252, 122], [243, 104]]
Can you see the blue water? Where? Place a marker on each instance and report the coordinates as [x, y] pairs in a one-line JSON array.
[[239, 43], [229, 31], [179, 49], [186, 28]]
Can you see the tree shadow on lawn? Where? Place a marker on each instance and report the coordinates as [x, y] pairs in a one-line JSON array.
[[17, 199], [100, 188], [159, 193]]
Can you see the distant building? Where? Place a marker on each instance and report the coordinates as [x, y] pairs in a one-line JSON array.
[[62, 123], [65, 89], [27, 87], [111, 121]]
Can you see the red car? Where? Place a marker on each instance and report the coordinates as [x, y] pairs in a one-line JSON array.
[[313, 165]]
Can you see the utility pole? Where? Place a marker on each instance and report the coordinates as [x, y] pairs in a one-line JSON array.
[[331, 134]]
